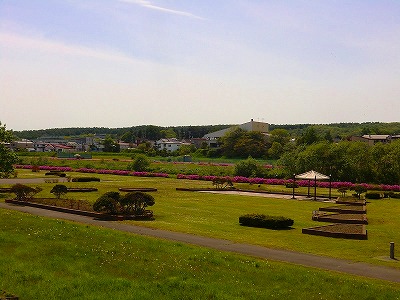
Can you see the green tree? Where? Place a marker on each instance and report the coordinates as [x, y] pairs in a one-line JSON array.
[[229, 140], [309, 136], [58, 190], [280, 136], [110, 145], [136, 202], [168, 133], [276, 150], [140, 163], [186, 149], [248, 168], [251, 143], [107, 203], [7, 157], [359, 189]]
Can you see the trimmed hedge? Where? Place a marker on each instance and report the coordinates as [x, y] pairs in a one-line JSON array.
[[395, 195], [264, 221], [85, 179], [373, 195], [56, 173]]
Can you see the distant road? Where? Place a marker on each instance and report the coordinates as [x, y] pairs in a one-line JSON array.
[[30, 180]]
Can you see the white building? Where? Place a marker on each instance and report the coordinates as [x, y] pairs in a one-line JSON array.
[[170, 144]]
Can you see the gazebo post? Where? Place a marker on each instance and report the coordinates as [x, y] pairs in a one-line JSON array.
[[293, 184], [308, 194], [315, 188], [330, 186]]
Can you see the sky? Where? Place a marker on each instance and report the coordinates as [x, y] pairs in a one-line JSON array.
[[123, 63]]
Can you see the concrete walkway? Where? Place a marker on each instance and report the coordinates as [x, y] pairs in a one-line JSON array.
[[308, 260]]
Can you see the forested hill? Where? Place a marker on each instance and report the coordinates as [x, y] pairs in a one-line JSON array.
[[152, 132]]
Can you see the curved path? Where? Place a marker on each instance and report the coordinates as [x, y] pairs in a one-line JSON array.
[[309, 260]]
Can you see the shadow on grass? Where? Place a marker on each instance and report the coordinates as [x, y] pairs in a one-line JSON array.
[[277, 229]]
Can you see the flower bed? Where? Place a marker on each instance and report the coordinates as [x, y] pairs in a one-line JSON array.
[[96, 171], [235, 179], [341, 218], [346, 209], [83, 211], [347, 231]]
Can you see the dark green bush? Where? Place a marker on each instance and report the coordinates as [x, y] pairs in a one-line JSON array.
[[395, 195], [139, 164], [373, 195], [107, 203], [291, 184], [133, 203], [24, 192], [85, 179], [249, 168], [264, 221], [56, 173]]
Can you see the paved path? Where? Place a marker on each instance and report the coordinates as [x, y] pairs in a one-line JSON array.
[[320, 262], [31, 180]]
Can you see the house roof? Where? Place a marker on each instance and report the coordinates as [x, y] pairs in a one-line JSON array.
[[312, 175], [376, 136]]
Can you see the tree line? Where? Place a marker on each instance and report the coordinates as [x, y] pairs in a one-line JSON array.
[[151, 132], [346, 161]]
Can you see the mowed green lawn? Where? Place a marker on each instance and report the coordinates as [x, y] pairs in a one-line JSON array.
[[216, 215], [42, 258]]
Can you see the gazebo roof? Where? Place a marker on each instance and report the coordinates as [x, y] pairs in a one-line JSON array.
[[312, 175]]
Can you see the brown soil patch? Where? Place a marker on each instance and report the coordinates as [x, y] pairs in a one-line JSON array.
[[341, 218], [348, 231], [346, 209]]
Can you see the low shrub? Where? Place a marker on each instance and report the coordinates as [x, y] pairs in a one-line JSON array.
[[24, 192], [373, 195], [264, 221], [291, 184], [56, 173], [85, 179], [395, 195]]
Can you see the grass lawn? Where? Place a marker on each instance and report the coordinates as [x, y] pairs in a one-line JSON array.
[[51, 259], [216, 215]]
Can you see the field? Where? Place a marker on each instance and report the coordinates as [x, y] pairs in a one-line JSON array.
[[216, 215], [213, 215], [51, 259]]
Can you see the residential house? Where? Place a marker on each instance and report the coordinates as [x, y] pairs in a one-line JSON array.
[[170, 145]]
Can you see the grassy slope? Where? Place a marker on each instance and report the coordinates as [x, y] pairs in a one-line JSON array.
[[50, 259], [217, 216]]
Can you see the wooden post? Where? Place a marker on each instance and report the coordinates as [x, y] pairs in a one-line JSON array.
[[391, 250]]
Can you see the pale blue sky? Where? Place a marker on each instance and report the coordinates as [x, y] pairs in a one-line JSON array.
[[120, 63]]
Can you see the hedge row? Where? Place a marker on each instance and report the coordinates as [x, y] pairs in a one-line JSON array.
[[85, 179], [264, 221]]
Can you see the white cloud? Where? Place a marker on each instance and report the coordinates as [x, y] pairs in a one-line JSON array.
[[37, 43], [148, 4]]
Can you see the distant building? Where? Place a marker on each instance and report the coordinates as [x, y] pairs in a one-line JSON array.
[[372, 139], [171, 145], [213, 137], [24, 145]]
